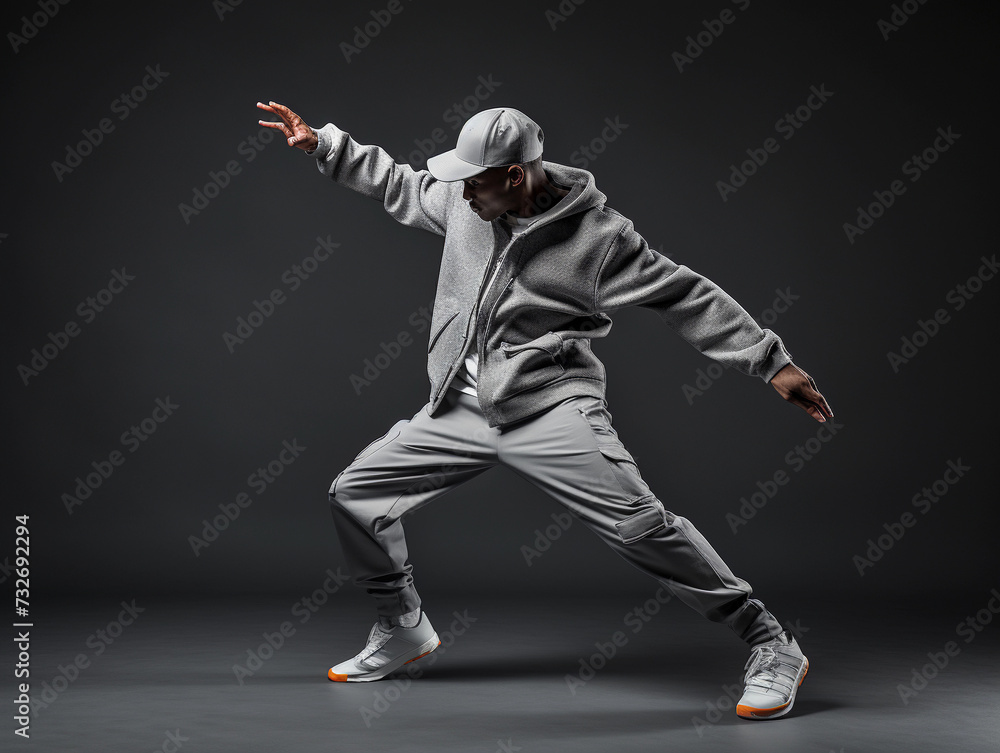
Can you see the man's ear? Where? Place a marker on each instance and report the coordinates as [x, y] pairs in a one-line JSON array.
[[516, 174]]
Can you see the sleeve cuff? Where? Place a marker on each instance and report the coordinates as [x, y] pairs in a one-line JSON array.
[[777, 359], [322, 149]]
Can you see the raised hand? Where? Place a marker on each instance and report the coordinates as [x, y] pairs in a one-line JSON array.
[[297, 133]]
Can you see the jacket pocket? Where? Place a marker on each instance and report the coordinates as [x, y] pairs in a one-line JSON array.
[[550, 342], [530, 366], [442, 328]]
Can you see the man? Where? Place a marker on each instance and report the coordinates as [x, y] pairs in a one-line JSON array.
[[533, 262]]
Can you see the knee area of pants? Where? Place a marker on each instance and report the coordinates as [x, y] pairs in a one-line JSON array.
[[339, 498], [339, 494]]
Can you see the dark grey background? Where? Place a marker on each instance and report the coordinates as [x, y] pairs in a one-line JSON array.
[[783, 230]]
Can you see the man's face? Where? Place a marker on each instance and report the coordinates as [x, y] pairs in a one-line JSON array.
[[492, 192]]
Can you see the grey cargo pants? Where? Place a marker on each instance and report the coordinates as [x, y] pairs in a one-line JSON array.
[[571, 452]]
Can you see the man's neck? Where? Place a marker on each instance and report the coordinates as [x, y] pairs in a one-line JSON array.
[[542, 198]]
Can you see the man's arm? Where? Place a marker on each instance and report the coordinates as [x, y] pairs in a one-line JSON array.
[[633, 274], [411, 197]]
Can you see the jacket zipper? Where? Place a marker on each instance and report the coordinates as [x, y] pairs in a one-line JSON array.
[[481, 341], [475, 320], [495, 304]]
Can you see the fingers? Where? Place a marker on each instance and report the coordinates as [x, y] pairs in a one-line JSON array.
[[817, 407], [271, 124], [280, 126], [809, 408], [816, 397], [805, 395], [286, 115]]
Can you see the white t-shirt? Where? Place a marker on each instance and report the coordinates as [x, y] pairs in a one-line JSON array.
[[465, 380]]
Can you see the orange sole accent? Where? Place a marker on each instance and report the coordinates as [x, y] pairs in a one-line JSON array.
[[752, 712], [343, 678], [423, 654]]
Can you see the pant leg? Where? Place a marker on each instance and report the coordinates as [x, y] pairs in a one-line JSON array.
[[417, 460], [574, 454]]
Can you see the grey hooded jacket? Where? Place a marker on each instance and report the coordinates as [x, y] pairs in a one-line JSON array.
[[549, 292]]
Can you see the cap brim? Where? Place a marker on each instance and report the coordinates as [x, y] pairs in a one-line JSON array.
[[449, 167]]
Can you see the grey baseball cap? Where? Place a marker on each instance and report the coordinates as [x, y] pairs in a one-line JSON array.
[[490, 138]]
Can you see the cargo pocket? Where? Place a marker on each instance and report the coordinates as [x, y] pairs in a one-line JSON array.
[[625, 470], [647, 521], [651, 517]]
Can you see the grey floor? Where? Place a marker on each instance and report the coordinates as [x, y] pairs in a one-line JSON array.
[[500, 684]]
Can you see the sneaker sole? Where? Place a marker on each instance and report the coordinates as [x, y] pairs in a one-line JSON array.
[[751, 712], [422, 650]]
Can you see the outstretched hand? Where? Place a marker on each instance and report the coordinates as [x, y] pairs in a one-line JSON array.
[[798, 388], [297, 133]]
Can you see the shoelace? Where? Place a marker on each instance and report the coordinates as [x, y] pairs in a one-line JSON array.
[[762, 669], [376, 640]]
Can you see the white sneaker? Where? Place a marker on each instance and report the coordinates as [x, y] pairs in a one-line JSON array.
[[774, 672], [389, 647]]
